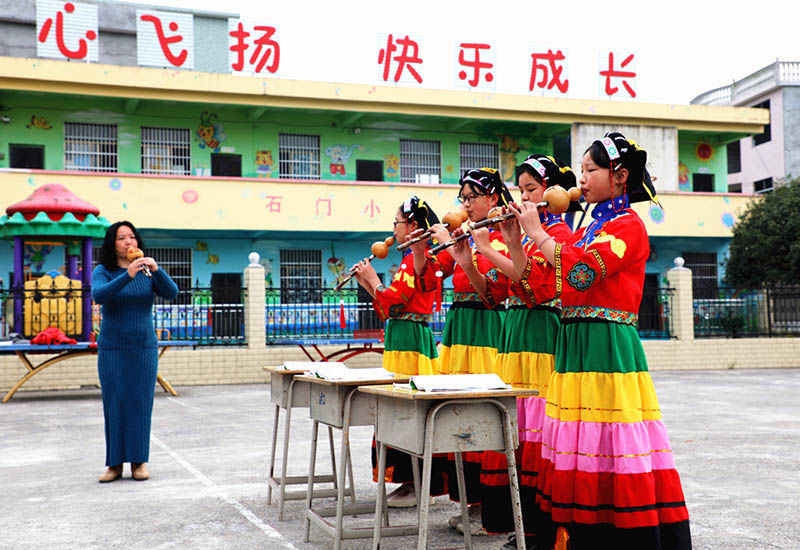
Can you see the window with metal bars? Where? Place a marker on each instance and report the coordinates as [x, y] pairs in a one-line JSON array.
[[420, 161], [176, 261], [166, 151], [90, 147], [704, 273], [301, 276], [298, 156], [478, 155], [763, 186]]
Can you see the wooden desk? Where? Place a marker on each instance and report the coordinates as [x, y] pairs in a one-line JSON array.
[[64, 352], [339, 404], [424, 423], [286, 393]]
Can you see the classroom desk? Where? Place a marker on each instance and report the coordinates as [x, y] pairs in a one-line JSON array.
[[338, 404], [424, 423], [286, 393], [351, 347], [64, 352]]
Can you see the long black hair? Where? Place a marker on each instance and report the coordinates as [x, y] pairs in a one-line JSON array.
[[108, 253]]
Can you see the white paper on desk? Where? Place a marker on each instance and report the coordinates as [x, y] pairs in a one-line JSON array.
[[378, 373], [304, 366], [329, 370], [458, 382]]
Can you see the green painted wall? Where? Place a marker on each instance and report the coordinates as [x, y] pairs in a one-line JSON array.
[[691, 163], [246, 131]]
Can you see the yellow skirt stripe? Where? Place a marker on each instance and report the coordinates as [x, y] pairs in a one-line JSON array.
[[409, 362], [461, 359]]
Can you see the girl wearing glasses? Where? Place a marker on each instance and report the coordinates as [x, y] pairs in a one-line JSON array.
[[609, 477], [409, 347], [474, 323], [525, 357]]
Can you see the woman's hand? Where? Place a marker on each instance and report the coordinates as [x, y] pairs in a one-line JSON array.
[[480, 237], [461, 251], [151, 263], [527, 214], [136, 266], [440, 233], [365, 274], [510, 230]]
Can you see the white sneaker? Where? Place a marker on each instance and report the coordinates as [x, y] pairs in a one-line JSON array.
[[402, 497], [475, 522]]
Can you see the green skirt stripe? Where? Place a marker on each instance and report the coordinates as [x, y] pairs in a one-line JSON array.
[[599, 347], [531, 330], [403, 335], [473, 327]]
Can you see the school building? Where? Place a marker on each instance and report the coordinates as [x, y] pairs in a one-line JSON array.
[[212, 165]]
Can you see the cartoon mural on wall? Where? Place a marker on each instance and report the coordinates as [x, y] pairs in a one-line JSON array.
[[391, 166], [35, 255], [211, 132], [337, 267], [39, 122], [509, 147], [683, 177], [201, 246], [704, 151], [339, 154], [213, 259], [264, 163]]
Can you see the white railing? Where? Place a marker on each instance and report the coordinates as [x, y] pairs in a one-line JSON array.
[[780, 73]]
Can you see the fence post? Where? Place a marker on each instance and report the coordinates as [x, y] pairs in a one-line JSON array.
[[255, 326], [682, 312]]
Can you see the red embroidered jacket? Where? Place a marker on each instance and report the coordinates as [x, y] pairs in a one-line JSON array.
[[403, 299], [556, 228], [598, 273], [496, 282]]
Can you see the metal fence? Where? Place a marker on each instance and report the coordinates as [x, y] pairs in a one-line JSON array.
[[748, 313], [194, 315], [654, 313], [321, 317]]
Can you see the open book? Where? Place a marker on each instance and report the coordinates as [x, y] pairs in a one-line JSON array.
[[340, 371], [458, 382]]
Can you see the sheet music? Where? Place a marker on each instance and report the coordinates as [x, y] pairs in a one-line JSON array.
[[458, 382]]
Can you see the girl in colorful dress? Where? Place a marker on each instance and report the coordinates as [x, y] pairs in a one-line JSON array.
[[608, 478], [525, 357], [474, 323], [409, 347]]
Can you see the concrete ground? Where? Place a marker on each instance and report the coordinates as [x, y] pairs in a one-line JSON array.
[[735, 436]]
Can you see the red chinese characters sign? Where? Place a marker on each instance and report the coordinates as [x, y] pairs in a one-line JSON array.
[[548, 72], [66, 30], [399, 59], [253, 49], [618, 74], [475, 64], [165, 39]]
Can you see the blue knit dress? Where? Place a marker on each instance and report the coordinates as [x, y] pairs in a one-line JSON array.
[[127, 360]]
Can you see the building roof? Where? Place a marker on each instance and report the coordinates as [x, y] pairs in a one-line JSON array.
[[138, 83]]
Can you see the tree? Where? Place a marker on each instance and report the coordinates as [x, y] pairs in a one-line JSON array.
[[765, 249]]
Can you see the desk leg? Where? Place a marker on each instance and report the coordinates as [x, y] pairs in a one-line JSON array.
[[512, 478], [380, 501], [344, 461], [462, 496], [272, 453], [310, 492], [285, 458], [333, 458], [424, 499]]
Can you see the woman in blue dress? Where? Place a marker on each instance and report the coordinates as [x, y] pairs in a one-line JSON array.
[[127, 360]]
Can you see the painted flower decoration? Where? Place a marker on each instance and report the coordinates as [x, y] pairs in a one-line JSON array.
[[656, 214], [728, 219], [190, 196], [115, 184]]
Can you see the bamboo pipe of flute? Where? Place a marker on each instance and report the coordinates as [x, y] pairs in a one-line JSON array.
[[452, 220]]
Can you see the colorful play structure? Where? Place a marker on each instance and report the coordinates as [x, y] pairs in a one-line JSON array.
[[53, 215]]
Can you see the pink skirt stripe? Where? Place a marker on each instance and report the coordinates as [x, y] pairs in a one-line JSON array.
[[622, 448], [530, 417]]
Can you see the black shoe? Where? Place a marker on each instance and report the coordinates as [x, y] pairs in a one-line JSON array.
[[530, 543]]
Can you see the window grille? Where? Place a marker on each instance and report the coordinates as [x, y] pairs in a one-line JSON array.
[[166, 151], [478, 155], [298, 156], [90, 147], [420, 161], [301, 276], [176, 261], [704, 273], [766, 135]]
